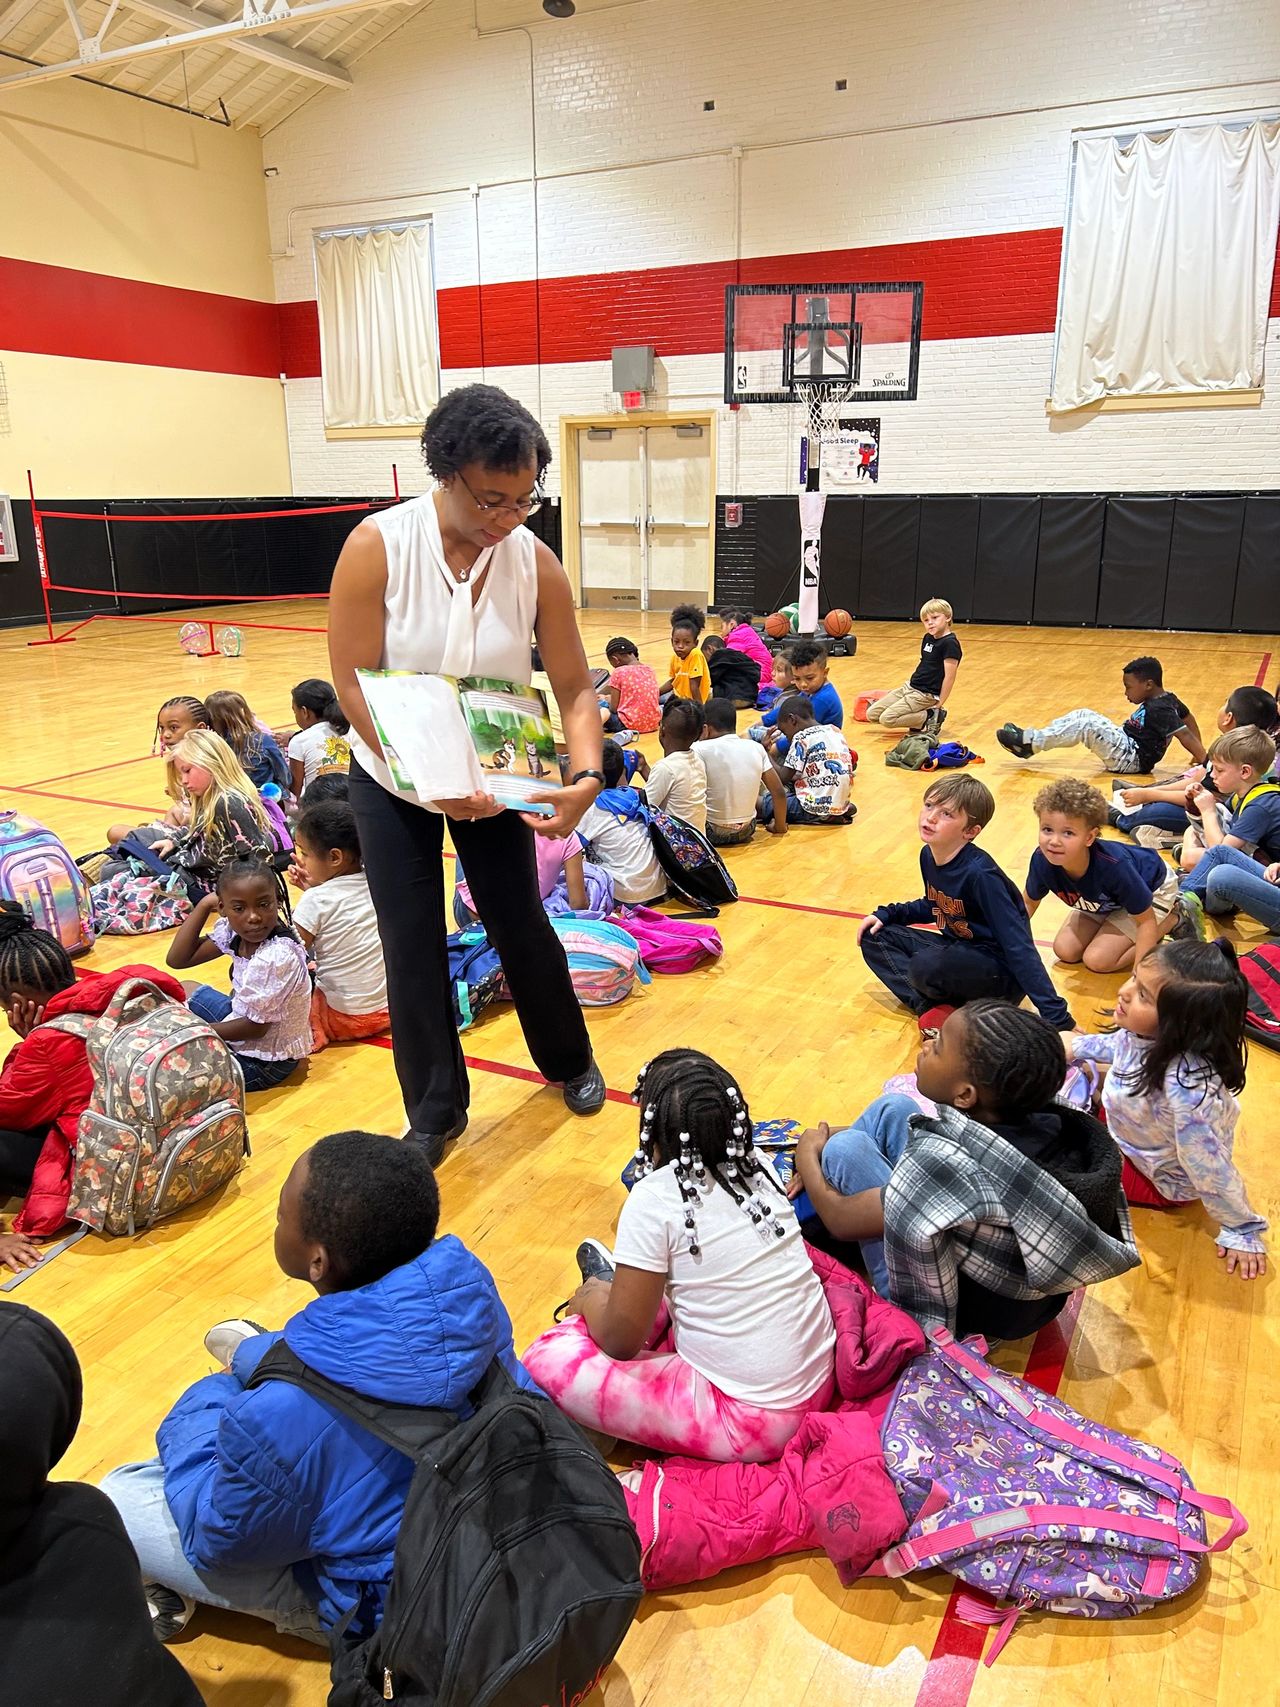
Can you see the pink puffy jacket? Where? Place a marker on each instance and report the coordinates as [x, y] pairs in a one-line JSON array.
[[829, 1489]]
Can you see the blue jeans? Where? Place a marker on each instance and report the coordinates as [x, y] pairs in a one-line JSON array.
[[796, 813], [215, 1006], [1228, 881], [861, 1158], [1162, 813], [137, 1492]]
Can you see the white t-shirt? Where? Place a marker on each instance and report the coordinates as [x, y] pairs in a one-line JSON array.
[[625, 851], [750, 1316], [735, 769], [339, 916], [320, 748], [678, 784], [821, 768]]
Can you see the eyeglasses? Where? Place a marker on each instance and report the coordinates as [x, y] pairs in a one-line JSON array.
[[520, 509]]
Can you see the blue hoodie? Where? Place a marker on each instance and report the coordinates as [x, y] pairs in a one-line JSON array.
[[274, 1477]]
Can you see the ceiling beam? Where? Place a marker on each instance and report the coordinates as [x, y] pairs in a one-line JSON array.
[[275, 53], [14, 13], [235, 33]]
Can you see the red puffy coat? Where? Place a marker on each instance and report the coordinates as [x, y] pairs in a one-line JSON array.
[[830, 1488], [47, 1082]]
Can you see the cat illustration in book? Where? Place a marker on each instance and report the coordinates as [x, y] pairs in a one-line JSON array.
[[536, 766], [505, 755]]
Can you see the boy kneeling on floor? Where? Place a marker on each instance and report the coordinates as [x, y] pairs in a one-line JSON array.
[[266, 1500], [984, 1216]]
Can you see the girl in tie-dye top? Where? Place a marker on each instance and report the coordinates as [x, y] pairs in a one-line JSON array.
[[1172, 1066]]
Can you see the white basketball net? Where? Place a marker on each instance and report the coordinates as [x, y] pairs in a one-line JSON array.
[[820, 395]]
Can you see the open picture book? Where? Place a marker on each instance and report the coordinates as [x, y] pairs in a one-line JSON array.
[[444, 737]]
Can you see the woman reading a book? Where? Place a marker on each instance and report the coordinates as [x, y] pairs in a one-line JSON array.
[[453, 584]]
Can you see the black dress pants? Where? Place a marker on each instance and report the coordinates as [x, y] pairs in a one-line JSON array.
[[402, 845]]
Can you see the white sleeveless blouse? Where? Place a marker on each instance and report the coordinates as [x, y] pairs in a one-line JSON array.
[[432, 623]]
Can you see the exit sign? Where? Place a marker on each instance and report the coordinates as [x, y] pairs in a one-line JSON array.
[[633, 399]]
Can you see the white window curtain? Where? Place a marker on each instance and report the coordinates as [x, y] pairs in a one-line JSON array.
[[379, 359], [1168, 255]]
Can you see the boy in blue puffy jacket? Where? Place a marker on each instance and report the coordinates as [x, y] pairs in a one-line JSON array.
[[268, 1501]]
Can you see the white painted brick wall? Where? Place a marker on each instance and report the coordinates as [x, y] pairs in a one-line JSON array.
[[956, 121]]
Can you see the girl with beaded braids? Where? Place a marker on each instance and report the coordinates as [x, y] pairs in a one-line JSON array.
[[46, 1080], [705, 1331], [176, 717]]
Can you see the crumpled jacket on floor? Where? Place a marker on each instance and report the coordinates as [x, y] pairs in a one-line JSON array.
[[829, 1489]]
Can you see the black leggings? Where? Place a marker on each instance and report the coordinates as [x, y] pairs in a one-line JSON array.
[[18, 1154], [402, 846]]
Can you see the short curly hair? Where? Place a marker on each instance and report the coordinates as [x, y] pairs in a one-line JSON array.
[[1073, 799], [479, 423], [371, 1201]]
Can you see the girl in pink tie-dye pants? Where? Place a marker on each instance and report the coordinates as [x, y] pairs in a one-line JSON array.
[[705, 1331]]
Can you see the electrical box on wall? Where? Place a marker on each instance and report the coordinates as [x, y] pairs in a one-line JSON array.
[[633, 367]]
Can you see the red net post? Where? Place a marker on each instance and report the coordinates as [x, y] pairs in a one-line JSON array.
[[42, 560]]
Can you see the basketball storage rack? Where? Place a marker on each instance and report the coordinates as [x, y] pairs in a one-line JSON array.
[[823, 346]]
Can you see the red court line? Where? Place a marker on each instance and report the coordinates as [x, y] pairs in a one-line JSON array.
[[957, 1649], [1260, 680], [507, 1071], [185, 598], [91, 770], [80, 799]]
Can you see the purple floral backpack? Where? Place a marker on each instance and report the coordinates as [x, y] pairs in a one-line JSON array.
[[1021, 1497]]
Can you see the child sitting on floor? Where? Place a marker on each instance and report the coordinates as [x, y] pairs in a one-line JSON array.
[[1242, 792], [737, 770], [1158, 717], [678, 782], [616, 828], [225, 812], [773, 688], [687, 673], [1122, 899], [741, 635], [46, 1080], [705, 1330], [632, 689], [984, 947], [561, 877], [735, 675], [321, 742], [255, 747], [335, 919], [984, 1217], [266, 1020], [262, 1500], [920, 704], [1173, 1068], [176, 717], [817, 768]]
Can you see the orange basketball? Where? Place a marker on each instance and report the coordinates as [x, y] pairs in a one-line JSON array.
[[777, 625], [837, 623]]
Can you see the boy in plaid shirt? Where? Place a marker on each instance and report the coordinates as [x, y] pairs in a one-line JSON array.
[[985, 1215]]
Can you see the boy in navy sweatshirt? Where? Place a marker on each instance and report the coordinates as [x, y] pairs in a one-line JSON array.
[[985, 946]]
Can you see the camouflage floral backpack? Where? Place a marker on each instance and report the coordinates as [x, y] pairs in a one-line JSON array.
[[165, 1125]]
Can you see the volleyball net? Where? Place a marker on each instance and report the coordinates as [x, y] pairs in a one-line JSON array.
[[133, 556]]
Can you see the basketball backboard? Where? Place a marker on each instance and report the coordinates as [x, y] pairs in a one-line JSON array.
[[778, 338]]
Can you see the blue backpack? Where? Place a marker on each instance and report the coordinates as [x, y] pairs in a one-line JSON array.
[[475, 975]]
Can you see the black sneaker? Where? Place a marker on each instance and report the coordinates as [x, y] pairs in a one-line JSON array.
[[1013, 739], [1115, 817], [594, 1260], [586, 1093], [433, 1144], [933, 720], [170, 1612]]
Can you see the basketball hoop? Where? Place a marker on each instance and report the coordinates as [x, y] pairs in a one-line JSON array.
[[819, 395]]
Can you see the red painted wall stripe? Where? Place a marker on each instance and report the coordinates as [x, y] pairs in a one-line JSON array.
[[56, 311], [999, 285]]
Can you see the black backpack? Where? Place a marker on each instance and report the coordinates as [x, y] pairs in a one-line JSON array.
[[690, 864], [517, 1568]]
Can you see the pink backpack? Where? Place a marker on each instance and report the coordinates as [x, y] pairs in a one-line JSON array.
[[670, 945], [39, 874]]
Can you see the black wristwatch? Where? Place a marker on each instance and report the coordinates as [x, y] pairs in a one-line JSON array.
[[581, 776]]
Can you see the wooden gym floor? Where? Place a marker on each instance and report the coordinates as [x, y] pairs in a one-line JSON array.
[[1175, 1352]]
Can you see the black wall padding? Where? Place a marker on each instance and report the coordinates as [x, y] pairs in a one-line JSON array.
[[736, 554], [1004, 582], [1135, 562], [890, 552], [1203, 554], [948, 553], [843, 557], [777, 552], [1069, 560], [1257, 593]]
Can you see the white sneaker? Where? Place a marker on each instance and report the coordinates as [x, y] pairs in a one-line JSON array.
[[1152, 836], [225, 1338]]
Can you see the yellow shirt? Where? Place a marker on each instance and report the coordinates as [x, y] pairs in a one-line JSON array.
[[690, 678]]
